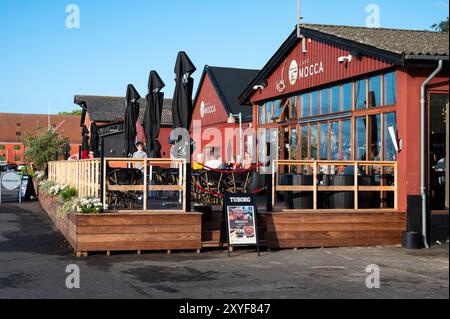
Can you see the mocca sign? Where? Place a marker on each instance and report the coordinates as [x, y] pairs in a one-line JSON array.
[[304, 71], [207, 110]]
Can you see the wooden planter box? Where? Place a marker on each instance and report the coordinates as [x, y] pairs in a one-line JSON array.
[[312, 230], [126, 231]]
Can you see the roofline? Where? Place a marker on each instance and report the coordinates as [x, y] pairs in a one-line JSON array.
[[419, 57], [215, 83], [388, 56]]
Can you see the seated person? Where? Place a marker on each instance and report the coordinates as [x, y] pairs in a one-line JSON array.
[[215, 163], [247, 161]]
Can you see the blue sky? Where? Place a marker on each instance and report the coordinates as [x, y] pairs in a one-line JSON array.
[[119, 42]]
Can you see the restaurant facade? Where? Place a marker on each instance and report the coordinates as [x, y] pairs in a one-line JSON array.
[[352, 95], [219, 120]]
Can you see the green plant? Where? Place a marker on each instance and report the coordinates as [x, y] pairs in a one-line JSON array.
[[65, 209], [42, 146], [67, 194]]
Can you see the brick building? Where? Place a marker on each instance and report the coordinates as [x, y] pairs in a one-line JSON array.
[[13, 128]]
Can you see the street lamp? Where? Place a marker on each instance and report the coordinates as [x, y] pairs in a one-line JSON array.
[[232, 120]]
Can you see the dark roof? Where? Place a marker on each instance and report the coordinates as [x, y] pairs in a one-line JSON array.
[[109, 109], [407, 42], [391, 45], [229, 84]]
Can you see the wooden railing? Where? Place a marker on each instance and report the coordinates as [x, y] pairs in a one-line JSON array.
[[314, 168], [83, 175], [147, 167]]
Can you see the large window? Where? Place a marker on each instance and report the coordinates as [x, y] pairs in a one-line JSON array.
[[335, 99], [313, 142], [375, 91], [293, 108], [347, 121], [294, 143], [334, 141], [346, 140], [389, 150], [304, 142], [361, 140], [390, 89], [324, 102], [324, 141], [262, 115], [305, 105], [360, 94], [347, 97], [315, 103], [269, 112]]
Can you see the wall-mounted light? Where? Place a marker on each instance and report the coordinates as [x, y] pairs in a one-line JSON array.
[[345, 59]]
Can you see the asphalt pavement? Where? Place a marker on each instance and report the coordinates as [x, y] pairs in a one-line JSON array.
[[34, 258]]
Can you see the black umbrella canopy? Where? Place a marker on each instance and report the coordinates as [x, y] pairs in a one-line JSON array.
[[182, 99], [95, 139], [131, 117], [153, 111], [85, 139]]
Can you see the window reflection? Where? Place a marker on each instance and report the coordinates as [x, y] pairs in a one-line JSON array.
[[375, 136], [361, 139], [313, 142], [335, 99], [324, 102], [390, 89], [294, 143], [375, 91], [305, 105], [346, 140], [324, 141], [389, 150], [304, 142], [315, 103], [293, 113], [262, 115], [360, 94], [347, 97], [334, 141], [269, 110]]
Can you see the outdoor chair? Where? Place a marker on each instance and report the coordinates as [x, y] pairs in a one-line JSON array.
[[123, 177], [238, 182], [214, 185]]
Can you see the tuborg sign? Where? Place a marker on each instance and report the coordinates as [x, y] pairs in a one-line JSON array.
[[10, 181]]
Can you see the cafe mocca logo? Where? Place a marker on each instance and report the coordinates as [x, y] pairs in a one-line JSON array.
[[207, 110], [305, 70]]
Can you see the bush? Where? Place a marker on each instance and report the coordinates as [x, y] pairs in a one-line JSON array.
[[67, 194]]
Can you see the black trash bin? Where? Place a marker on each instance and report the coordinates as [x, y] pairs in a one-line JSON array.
[[368, 200], [342, 200], [298, 200]]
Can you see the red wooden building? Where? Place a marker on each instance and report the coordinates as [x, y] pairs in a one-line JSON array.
[[342, 93], [218, 112], [15, 126]]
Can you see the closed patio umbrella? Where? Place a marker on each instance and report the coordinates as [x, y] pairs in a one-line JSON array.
[[84, 142], [131, 117], [182, 98], [153, 111], [182, 109]]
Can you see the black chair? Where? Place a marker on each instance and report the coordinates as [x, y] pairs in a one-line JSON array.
[[123, 177]]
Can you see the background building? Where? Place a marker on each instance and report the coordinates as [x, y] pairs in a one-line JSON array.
[[13, 128]]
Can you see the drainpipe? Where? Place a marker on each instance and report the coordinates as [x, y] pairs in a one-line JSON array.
[[423, 151]]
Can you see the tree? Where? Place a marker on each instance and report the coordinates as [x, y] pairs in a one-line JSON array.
[[73, 113], [42, 146], [441, 26]]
